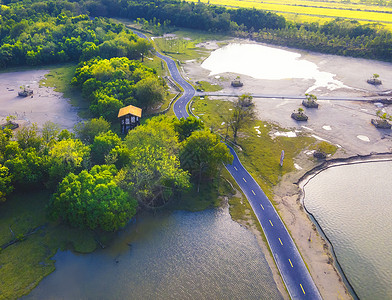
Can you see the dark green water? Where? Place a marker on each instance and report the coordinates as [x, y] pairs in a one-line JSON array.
[[178, 255]]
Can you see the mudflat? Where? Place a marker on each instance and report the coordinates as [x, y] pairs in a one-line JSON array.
[[44, 105]]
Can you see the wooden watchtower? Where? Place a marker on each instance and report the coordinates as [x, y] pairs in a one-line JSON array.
[[129, 118]]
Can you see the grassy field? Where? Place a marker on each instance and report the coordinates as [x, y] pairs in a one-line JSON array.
[[318, 11], [59, 77], [260, 153]]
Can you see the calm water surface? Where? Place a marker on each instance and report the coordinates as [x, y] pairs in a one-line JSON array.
[[263, 62], [353, 205], [178, 255]]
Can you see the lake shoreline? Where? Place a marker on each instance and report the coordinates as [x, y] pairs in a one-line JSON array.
[[344, 124], [336, 162], [289, 196]]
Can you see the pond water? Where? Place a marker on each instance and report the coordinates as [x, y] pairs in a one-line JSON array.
[[180, 255], [263, 62], [353, 205]]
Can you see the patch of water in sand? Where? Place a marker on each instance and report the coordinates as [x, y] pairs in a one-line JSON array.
[[262, 62]]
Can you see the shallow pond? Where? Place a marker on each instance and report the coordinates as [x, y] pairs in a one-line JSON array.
[[353, 205], [263, 62], [180, 255]]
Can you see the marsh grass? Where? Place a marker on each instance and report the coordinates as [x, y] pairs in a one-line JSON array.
[[24, 264]]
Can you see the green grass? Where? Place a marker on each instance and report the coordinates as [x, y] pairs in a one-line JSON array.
[[24, 264], [208, 87], [209, 196], [325, 147], [260, 153], [183, 46], [59, 77], [156, 64]]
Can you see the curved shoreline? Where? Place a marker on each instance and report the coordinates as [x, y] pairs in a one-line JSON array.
[[304, 180]]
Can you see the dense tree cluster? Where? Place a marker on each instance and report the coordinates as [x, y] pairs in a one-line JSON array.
[[117, 82], [185, 14], [100, 180], [93, 199], [40, 33]]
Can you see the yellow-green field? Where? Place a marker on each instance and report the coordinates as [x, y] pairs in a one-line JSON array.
[[319, 11]]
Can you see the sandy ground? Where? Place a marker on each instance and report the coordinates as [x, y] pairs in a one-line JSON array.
[[344, 123], [45, 105]]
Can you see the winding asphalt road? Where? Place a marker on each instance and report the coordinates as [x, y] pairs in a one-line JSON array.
[[292, 268]]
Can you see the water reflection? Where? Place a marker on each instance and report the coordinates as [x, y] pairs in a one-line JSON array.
[[264, 62], [178, 255], [353, 205]]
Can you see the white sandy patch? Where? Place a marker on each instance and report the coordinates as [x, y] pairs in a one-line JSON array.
[[307, 128], [286, 134], [298, 167], [363, 138], [309, 152], [320, 138]]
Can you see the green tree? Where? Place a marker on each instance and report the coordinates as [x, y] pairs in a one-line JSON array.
[[149, 91], [185, 127], [86, 131], [157, 132], [5, 137], [242, 114], [28, 137], [5, 183], [154, 176], [202, 154], [50, 132], [67, 156], [103, 144], [93, 200], [28, 167]]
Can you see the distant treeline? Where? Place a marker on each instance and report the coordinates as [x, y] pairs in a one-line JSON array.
[[343, 37], [52, 32], [41, 32]]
